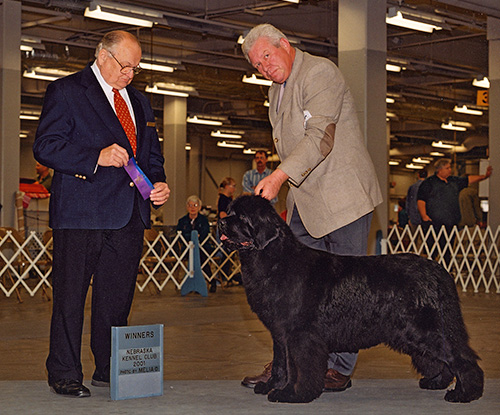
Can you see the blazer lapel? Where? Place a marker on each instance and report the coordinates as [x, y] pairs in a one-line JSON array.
[[101, 105]]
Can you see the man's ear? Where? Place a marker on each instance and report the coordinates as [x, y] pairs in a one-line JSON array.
[[285, 44]]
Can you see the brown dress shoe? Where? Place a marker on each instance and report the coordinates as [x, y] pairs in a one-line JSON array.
[[336, 382], [251, 381]]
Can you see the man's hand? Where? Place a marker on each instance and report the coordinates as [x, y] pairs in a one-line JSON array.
[[114, 155], [160, 194], [269, 186]]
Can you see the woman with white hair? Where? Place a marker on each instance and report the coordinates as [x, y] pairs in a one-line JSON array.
[[194, 221]]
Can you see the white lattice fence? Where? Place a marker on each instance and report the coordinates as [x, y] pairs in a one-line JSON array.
[[26, 264], [471, 255]]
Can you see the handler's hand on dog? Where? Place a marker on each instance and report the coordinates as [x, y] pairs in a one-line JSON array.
[[269, 186]]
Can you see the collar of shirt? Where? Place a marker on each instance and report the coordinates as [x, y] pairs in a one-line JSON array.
[[108, 91]]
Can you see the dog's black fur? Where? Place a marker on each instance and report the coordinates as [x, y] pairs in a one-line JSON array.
[[314, 302]]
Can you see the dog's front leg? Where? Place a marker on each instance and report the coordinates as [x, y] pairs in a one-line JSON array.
[[279, 375]]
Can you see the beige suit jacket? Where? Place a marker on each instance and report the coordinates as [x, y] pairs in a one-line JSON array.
[[318, 140]]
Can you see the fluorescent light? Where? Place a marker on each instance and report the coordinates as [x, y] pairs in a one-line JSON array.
[[465, 110], [46, 74], [392, 68], [156, 67], [228, 144], [196, 120], [440, 144], [256, 81], [266, 103], [453, 127], [481, 83], [220, 134], [421, 160], [394, 162], [396, 18], [155, 90], [389, 100], [23, 135], [29, 116], [171, 89], [390, 115], [187, 147], [292, 1], [121, 13], [414, 166], [249, 151], [437, 154]]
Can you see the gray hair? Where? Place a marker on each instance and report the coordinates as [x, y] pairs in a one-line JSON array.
[[263, 30], [194, 199], [112, 39], [438, 165]]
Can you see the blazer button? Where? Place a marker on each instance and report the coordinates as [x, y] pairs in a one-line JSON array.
[[276, 140], [131, 184]]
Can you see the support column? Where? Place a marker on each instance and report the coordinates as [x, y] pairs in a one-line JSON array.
[[174, 151], [10, 107], [494, 121], [362, 59], [194, 165]]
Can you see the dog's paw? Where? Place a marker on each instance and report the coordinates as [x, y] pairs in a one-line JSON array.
[[262, 388], [436, 383], [456, 395]]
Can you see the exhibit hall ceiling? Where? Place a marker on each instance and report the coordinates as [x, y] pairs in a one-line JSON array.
[[429, 83]]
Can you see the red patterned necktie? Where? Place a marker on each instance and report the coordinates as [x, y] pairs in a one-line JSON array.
[[125, 119]]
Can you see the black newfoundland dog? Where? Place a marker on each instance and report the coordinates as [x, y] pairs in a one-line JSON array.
[[314, 303]]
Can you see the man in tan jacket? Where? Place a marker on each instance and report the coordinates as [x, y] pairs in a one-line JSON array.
[[333, 184]]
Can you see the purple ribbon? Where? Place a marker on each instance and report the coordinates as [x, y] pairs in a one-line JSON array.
[[139, 178]]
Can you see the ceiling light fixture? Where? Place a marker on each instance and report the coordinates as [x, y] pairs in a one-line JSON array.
[[29, 116], [266, 103], [389, 100], [249, 151], [46, 74], [481, 83], [440, 144], [414, 166], [437, 154], [156, 67], [392, 68], [452, 126], [221, 134], [292, 1], [171, 89], [411, 19], [121, 13], [155, 90], [420, 160], [256, 81], [394, 162], [465, 110], [204, 121], [229, 144]]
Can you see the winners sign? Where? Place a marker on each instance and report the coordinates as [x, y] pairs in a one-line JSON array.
[[136, 361]]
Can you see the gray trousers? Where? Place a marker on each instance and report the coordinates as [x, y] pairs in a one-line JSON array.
[[351, 239]]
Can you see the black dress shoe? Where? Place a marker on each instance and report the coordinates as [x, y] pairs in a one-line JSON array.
[[69, 387]]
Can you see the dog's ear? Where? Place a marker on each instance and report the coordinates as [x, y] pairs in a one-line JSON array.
[[266, 224]]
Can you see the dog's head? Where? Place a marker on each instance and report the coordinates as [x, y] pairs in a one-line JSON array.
[[251, 223]]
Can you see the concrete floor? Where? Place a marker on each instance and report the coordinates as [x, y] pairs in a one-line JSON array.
[[210, 344]]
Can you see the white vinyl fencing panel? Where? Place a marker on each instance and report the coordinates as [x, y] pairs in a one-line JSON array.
[[26, 264], [471, 254]]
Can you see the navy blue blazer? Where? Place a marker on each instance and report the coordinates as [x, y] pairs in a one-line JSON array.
[[76, 123]]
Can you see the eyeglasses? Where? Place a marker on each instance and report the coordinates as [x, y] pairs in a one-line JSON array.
[[192, 205], [126, 69]]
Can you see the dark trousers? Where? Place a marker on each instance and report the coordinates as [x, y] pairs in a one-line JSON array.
[[351, 239], [110, 258]]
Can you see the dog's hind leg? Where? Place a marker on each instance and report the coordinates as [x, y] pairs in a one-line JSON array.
[[469, 381], [306, 365]]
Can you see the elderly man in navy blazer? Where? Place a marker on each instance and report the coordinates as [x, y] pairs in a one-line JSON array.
[[92, 124]]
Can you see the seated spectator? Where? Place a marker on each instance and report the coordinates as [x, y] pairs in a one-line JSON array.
[[194, 221]]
